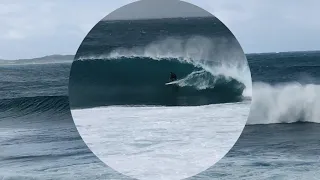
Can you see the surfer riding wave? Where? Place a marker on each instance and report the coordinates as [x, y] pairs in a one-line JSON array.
[[173, 77], [199, 83]]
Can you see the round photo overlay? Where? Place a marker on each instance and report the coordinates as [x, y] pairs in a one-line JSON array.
[[160, 90]]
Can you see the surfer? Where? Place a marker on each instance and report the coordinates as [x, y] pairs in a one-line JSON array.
[[173, 76]]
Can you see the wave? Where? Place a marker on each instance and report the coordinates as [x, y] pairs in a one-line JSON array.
[[220, 56], [290, 102], [271, 104], [17, 107], [137, 75], [141, 80]]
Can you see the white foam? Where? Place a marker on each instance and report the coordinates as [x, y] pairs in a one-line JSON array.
[[284, 103], [158, 143]]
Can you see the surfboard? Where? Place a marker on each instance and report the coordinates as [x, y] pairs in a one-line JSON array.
[[170, 83]]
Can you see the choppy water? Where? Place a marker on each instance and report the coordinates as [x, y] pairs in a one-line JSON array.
[[40, 141]]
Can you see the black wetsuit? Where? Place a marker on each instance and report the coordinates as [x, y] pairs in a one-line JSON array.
[[173, 76]]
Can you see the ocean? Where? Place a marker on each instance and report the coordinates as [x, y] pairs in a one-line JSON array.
[[39, 140], [128, 62], [280, 141], [127, 110]]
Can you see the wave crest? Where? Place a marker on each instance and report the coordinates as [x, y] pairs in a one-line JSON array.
[[285, 103]]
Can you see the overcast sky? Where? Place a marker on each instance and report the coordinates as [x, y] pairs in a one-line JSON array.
[[150, 9], [36, 28]]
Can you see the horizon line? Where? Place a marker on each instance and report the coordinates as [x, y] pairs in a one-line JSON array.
[[251, 53], [159, 18]]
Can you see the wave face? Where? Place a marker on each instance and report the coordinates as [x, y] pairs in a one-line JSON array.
[[129, 63], [141, 81], [138, 76]]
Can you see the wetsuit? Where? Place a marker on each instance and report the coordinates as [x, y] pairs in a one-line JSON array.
[[173, 76]]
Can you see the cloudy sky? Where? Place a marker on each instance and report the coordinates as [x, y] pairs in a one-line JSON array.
[[36, 28], [150, 9]]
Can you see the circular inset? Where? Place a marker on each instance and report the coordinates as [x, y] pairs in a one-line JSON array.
[[158, 90]]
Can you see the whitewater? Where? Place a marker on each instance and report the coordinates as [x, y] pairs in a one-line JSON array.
[[168, 142], [284, 103]]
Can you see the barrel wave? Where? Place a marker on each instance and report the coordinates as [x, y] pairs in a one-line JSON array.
[[140, 80]]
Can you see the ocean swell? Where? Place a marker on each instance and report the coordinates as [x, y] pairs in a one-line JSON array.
[[17, 107]]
